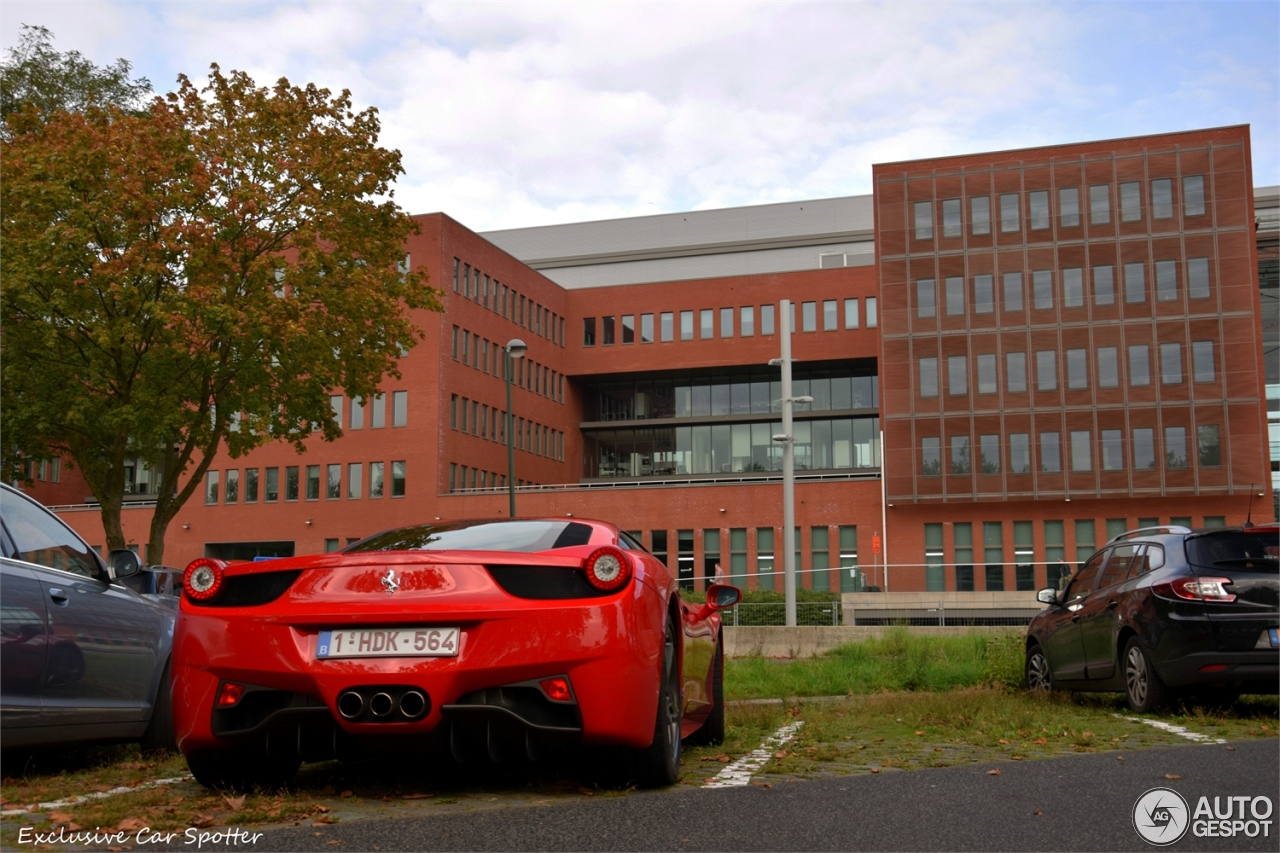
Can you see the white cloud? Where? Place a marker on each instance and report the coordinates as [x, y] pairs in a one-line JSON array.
[[513, 114]]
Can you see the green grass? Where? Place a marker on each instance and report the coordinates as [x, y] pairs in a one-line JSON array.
[[899, 660]]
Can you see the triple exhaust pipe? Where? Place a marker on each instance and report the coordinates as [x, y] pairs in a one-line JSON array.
[[384, 705]]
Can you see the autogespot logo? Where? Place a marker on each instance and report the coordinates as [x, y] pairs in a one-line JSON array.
[[1160, 816]]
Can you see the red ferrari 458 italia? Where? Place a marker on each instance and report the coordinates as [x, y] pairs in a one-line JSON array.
[[488, 638]]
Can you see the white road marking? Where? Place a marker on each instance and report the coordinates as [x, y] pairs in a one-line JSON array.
[[1181, 731], [739, 773], [96, 795]]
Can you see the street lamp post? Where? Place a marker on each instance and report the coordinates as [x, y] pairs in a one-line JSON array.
[[514, 349], [787, 438]]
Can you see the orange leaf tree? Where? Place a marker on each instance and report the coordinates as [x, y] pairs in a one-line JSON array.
[[202, 274]]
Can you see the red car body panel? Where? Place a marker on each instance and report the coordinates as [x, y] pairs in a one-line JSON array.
[[608, 646]]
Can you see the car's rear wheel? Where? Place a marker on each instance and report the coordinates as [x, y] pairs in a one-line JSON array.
[[712, 731], [659, 763], [241, 768], [159, 736], [1039, 678], [1143, 688]]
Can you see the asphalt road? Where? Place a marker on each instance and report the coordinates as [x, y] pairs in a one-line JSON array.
[[1085, 802]]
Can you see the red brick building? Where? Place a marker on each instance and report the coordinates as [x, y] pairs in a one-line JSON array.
[[1058, 344]]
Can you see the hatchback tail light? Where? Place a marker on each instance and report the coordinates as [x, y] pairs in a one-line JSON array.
[[203, 578], [608, 568], [1196, 589]]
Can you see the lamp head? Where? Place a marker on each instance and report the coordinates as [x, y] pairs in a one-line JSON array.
[[516, 348]]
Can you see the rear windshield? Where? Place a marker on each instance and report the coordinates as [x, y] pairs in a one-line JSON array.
[[520, 536], [1235, 548]]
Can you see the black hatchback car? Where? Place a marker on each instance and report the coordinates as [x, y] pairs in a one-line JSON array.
[[1162, 611]]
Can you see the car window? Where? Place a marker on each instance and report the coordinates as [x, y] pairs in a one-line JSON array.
[[1152, 559], [1082, 584], [1122, 559], [519, 536], [627, 541], [1234, 549], [40, 538]]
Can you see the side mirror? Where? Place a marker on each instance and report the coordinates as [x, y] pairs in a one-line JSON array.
[[721, 596], [1048, 595], [123, 563]]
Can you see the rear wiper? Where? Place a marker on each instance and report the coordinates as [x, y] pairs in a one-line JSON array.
[[1242, 561]]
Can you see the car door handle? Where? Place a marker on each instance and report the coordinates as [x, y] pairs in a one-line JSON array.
[[1075, 618], [58, 595]]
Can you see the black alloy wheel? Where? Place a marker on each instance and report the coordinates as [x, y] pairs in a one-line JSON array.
[[658, 764], [1039, 677], [1142, 685]]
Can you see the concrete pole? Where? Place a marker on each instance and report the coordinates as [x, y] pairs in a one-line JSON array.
[[788, 472]]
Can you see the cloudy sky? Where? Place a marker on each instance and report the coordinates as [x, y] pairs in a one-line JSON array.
[[513, 114]]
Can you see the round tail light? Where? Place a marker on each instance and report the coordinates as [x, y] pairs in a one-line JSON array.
[[608, 568], [203, 579]]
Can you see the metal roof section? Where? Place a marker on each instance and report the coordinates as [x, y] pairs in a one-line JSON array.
[[697, 244]]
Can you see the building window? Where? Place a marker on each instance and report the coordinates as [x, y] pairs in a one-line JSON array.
[[211, 487], [667, 326], [1210, 446], [993, 555], [1039, 204], [233, 486], [646, 328], [1086, 539], [1104, 285], [1139, 365], [588, 331], [1171, 364], [766, 319], [456, 268], [930, 456], [1175, 447], [1015, 372], [356, 417], [397, 479], [957, 375], [820, 557], [1198, 278], [1024, 556], [962, 542], [1019, 453], [291, 483], [809, 310], [375, 479], [1013, 293], [951, 217], [1166, 281], [764, 557], [1162, 198], [987, 383], [331, 545], [1009, 213], [1050, 453], [1077, 370], [1069, 207], [928, 377], [850, 313], [989, 448], [1046, 370], [1108, 367], [1144, 449], [1042, 289], [954, 286], [1073, 287], [924, 220], [399, 408], [684, 558], [1081, 458], [333, 482], [271, 491], [1131, 202], [726, 322], [355, 480], [313, 482], [871, 312], [980, 215], [983, 295], [1112, 450], [830, 316], [960, 454], [1193, 195], [925, 295], [1202, 361], [607, 331], [1099, 205], [935, 578], [1055, 554], [378, 412], [686, 325], [747, 321]]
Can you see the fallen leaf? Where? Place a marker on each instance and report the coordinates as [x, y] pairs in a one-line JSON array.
[[1040, 740], [875, 769], [346, 794], [877, 740], [1119, 758], [993, 772], [937, 749], [848, 737], [234, 803], [723, 759], [321, 820], [319, 807], [585, 791], [115, 849], [1017, 757], [59, 817], [1037, 812], [1172, 776], [1088, 734], [919, 733], [766, 785], [201, 821], [130, 824], [1231, 749], [273, 812], [782, 753], [335, 841], [416, 796], [1005, 742], [709, 779]]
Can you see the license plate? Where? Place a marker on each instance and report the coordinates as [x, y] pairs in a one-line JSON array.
[[388, 643]]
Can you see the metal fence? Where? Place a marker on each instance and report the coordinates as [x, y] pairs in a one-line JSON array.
[[775, 613], [831, 613]]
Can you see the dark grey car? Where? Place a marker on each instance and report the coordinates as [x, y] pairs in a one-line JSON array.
[[84, 645]]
